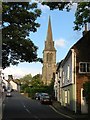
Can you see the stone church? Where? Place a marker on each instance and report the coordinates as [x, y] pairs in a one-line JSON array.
[[49, 57]]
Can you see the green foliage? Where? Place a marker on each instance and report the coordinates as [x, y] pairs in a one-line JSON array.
[[23, 87], [26, 77], [26, 80], [58, 5], [32, 85], [18, 20], [36, 81], [82, 15]]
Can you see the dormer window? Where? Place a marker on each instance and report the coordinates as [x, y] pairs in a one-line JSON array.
[[84, 67]]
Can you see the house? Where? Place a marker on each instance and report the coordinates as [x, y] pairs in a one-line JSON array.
[[5, 84], [14, 86], [58, 83], [75, 71]]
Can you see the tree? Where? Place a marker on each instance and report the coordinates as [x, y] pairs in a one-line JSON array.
[[82, 14], [25, 82], [26, 79], [18, 20], [36, 81]]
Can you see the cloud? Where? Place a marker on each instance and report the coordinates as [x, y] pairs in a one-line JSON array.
[[44, 8], [74, 6], [60, 42], [19, 72]]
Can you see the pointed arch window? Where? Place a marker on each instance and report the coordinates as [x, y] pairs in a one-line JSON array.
[[49, 57]]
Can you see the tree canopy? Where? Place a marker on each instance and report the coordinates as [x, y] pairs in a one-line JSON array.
[[26, 79], [82, 14], [18, 20], [36, 81]]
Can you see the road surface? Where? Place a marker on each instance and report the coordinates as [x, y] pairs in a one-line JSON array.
[[19, 107]]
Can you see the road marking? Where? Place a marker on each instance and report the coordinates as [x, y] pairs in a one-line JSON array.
[[27, 110], [61, 113], [24, 106], [36, 117]]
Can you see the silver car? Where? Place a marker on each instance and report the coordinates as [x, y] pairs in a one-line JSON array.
[[8, 94]]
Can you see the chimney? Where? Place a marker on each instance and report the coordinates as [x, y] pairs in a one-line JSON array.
[[10, 77], [86, 29]]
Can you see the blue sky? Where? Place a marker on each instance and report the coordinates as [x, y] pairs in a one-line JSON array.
[[63, 36]]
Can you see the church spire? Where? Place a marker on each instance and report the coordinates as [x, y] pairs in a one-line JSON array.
[[49, 32], [49, 44]]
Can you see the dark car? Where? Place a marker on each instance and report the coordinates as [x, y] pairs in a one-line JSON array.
[[45, 98]]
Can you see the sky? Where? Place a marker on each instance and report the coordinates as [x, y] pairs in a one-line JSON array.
[[63, 36]]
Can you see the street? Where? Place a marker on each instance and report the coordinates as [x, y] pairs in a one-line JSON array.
[[22, 108]]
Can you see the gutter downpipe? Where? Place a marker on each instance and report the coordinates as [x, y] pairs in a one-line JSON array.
[[75, 81], [74, 76]]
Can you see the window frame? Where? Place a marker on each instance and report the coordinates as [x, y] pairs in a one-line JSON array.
[[68, 72], [86, 63], [63, 76], [66, 96]]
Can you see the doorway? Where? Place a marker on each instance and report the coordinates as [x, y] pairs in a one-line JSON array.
[[84, 106]]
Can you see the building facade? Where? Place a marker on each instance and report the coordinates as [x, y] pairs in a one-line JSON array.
[[72, 73], [49, 57]]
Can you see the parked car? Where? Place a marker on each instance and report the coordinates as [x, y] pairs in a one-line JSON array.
[[37, 96], [9, 90], [8, 94], [45, 98]]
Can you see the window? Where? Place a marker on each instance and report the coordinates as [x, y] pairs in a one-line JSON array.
[[49, 57], [84, 67], [68, 72], [49, 65], [66, 100], [88, 67], [63, 76], [68, 96], [60, 73]]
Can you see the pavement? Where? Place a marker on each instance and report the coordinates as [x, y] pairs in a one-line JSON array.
[[68, 113]]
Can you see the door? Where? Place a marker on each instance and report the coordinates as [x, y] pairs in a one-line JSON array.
[[84, 106]]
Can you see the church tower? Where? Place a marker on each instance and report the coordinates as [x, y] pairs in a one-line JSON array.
[[49, 57]]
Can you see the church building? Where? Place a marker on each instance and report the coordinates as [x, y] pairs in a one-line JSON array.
[[49, 57]]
